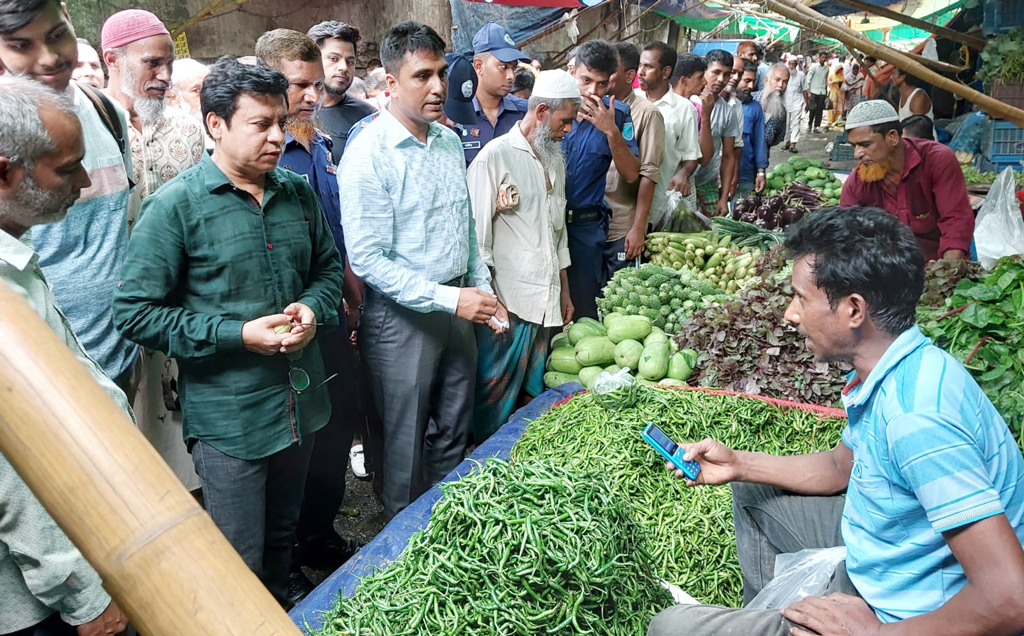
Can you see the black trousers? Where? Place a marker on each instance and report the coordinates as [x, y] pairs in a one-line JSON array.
[[52, 626], [816, 108]]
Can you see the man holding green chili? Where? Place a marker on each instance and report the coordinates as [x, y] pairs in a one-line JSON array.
[[230, 270], [933, 517]]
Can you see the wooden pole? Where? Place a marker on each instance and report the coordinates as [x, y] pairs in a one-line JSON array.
[[935, 64], [560, 56], [160, 555], [559, 25], [642, 14], [814, 21], [202, 14], [975, 43]]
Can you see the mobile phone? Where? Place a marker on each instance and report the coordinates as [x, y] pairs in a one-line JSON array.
[[670, 450]]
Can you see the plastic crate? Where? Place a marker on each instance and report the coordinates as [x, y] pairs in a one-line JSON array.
[[1001, 141], [842, 150], [984, 165], [1012, 94], [1002, 15]]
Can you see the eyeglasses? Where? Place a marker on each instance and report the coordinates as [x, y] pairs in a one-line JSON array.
[[299, 380]]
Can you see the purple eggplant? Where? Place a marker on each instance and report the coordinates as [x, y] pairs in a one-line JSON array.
[[791, 214], [775, 204], [763, 212], [748, 217]]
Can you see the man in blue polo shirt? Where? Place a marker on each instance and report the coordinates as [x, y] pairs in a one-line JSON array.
[[495, 58], [307, 152], [933, 517], [603, 135]]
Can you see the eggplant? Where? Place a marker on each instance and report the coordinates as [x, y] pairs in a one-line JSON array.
[[763, 212], [790, 215], [775, 204], [748, 217], [752, 201]]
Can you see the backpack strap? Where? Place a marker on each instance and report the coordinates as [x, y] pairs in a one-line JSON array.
[[112, 122]]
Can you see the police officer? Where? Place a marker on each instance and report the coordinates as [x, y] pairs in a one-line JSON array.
[[495, 58], [602, 135]]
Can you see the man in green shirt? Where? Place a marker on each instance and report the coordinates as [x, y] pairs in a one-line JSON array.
[[46, 585], [230, 270]]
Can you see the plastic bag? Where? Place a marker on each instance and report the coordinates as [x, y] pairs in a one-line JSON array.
[[678, 216], [615, 391], [999, 230], [797, 576]]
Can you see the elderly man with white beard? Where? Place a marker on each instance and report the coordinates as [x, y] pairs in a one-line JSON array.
[[773, 103], [165, 141], [517, 187]]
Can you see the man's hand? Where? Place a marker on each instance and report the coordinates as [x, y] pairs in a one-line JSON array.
[[681, 183], [634, 242], [707, 100], [603, 118], [567, 309], [723, 207], [303, 327], [718, 463], [954, 255], [259, 336], [110, 623], [351, 316], [834, 615], [759, 182], [475, 305], [501, 316]]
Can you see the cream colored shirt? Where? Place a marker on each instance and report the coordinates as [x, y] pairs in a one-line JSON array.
[[526, 245], [681, 139], [160, 152]]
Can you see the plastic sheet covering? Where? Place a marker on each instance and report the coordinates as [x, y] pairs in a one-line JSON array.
[[388, 545]]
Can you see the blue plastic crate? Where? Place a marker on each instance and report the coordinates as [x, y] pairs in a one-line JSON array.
[[1001, 141], [984, 165], [1002, 15], [842, 150]]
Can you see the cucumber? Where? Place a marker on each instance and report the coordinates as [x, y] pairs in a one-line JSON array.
[[563, 360], [585, 327], [554, 378], [627, 353], [588, 375], [561, 339], [654, 361], [679, 367], [595, 351], [630, 328]]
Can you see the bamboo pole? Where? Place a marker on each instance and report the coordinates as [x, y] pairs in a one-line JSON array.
[[160, 555], [559, 25], [642, 14], [814, 21], [935, 64], [202, 14], [561, 55], [941, 31]]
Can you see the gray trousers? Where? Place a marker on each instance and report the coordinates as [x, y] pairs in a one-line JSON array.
[[422, 373], [768, 522], [256, 504]]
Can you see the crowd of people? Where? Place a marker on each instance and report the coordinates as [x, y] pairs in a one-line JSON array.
[[264, 258]]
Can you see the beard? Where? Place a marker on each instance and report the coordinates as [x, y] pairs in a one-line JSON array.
[[303, 131], [773, 105], [744, 96], [150, 110], [36, 206], [549, 150], [335, 89], [872, 172]]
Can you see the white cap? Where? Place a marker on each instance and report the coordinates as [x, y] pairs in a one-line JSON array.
[[556, 84], [871, 113]]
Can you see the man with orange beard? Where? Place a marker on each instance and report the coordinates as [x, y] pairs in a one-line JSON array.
[[916, 180]]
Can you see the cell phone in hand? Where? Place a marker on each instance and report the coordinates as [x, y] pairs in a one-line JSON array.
[[670, 450]]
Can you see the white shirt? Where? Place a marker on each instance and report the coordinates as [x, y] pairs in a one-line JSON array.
[[794, 97], [682, 142], [526, 245]]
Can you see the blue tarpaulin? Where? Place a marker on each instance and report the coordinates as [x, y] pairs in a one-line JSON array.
[[388, 545]]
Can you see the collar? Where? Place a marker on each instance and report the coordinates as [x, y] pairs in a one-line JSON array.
[[519, 141], [216, 179], [668, 98], [317, 140], [630, 98], [507, 103], [395, 133], [858, 391], [17, 254]]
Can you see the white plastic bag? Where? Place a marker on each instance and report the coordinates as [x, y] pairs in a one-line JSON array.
[[797, 576], [999, 230], [615, 391]]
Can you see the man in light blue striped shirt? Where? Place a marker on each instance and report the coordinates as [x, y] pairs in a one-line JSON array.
[[410, 236], [933, 518]]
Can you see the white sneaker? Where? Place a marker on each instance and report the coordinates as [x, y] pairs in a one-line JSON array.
[[357, 461]]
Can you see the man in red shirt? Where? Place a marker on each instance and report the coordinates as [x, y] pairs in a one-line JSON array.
[[916, 180]]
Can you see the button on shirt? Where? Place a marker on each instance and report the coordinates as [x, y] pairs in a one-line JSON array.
[[619, 194], [511, 109], [931, 454], [160, 152], [527, 244], [681, 140], [588, 157], [931, 198], [317, 167], [724, 123], [205, 257], [408, 220]]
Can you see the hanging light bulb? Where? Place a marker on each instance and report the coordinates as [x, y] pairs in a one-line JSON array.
[[865, 19]]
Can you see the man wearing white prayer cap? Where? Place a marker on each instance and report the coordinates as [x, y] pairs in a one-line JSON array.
[[916, 180], [517, 187]]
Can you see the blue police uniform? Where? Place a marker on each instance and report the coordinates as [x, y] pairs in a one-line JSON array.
[[475, 136], [588, 157], [358, 128], [317, 167]]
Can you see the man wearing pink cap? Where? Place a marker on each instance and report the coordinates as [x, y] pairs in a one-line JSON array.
[[165, 141], [81, 256]]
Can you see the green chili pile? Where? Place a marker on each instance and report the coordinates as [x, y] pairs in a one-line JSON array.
[[523, 548], [690, 529]]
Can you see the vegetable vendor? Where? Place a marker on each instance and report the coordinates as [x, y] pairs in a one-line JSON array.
[[604, 135], [933, 517], [916, 180], [517, 188]]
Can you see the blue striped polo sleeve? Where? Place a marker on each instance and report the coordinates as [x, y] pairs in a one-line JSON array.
[[944, 463]]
